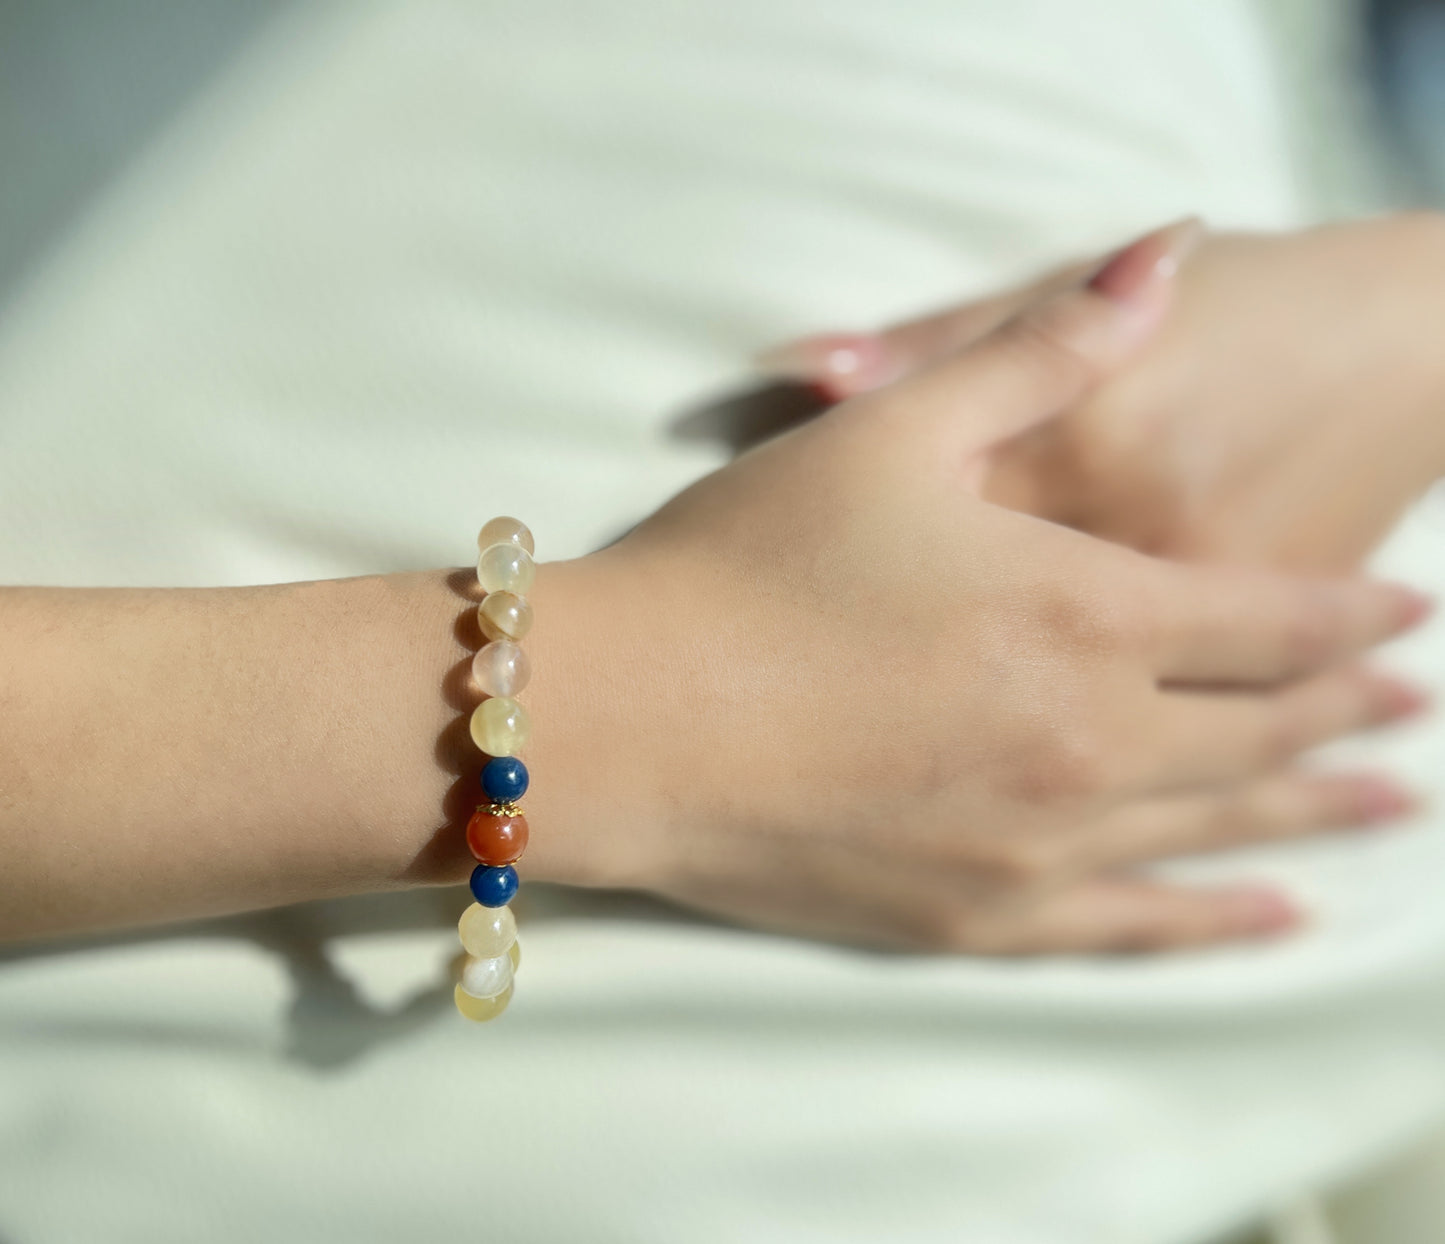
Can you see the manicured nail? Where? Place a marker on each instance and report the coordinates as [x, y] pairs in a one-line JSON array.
[[1415, 607], [1400, 699], [1137, 274], [839, 364], [1380, 800], [1257, 909]]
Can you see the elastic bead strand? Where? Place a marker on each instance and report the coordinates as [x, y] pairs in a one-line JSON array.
[[497, 832]]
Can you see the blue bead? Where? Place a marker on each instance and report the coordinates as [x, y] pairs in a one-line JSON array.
[[505, 779], [494, 887]]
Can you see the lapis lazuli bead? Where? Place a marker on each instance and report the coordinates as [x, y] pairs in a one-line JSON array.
[[494, 887], [505, 779]]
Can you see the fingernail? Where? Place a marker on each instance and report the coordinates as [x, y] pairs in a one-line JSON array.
[[1137, 274], [1257, 909], [840, 364], [1380, 800], [1415, 607], [1400, 699]]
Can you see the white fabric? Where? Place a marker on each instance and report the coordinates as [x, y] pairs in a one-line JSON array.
[[413, 265]]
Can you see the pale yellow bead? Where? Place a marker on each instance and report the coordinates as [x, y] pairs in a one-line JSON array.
[[506, 568], [504, 615], [501, 668], [500, 726], [506, 531], [514, 952], [486, 978], [479, 1010], [487, 931]]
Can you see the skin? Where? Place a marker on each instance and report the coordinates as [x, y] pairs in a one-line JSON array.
[[829, 689], [1290, 409]]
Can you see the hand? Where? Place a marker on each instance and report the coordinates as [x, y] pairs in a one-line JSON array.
[[1290, 409], [831, 689]]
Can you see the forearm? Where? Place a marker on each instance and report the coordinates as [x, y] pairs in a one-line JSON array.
[[178, 753]]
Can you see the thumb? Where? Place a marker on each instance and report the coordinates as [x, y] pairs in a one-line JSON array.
[[1053, 353]]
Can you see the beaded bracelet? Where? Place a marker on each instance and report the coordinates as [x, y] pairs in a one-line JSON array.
[[497, 831]]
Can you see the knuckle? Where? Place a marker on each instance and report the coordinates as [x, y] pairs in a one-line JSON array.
[[1082, 764], [1048, 338], [1092, 621], [1074, 765]]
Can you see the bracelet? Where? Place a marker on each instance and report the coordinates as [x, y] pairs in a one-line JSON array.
[[497, 831]]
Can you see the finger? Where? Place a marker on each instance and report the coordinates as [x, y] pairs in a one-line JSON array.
[[1202, 738], [1228, 625], [1275, 808], [1126, 914], [845, 364], [1052, 354]]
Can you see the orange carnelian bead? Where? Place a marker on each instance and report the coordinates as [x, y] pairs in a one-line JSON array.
[[497, 836]]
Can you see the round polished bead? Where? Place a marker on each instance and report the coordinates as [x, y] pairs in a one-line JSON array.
[[506, 568], [506, 531], [487, 931], [504, 615], [494, 887], [500, 726], [514, 953], [486, 978], [505, 779], [479, 1010], [496, 836], [501, 668]]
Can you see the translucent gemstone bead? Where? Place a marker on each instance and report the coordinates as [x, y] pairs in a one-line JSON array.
[[506, 531], [494, 887], [486, 978], [479, 1010], [501, 668], [506, 568], [496, 836], [514, 953], [500, 726], [505, 779], [487, 931], [504, 615]]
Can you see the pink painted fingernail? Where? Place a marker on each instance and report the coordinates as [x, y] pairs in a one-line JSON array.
[[840, 364], [1400, 699], [1415, 606], [1380, 800], [1258, 909], [1137, 274]]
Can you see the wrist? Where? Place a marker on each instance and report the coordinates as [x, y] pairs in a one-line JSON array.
[[597, 698]]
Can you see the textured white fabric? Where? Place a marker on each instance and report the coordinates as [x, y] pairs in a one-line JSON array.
[[402, 245]]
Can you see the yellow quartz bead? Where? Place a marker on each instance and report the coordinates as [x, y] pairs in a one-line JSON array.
[[500, 726], [487, 932], [514, 952], [504, 615], [486, 978], [479, 1010], [506, 530], [506, 568]]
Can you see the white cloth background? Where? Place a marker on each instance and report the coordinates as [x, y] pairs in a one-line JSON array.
[[409, 266]]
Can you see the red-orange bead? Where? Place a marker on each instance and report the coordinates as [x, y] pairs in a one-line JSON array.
[[497, 837]]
